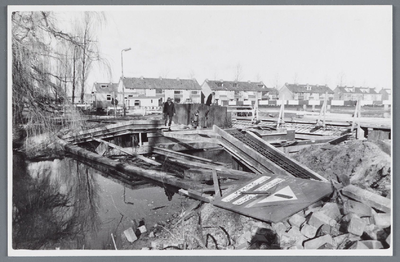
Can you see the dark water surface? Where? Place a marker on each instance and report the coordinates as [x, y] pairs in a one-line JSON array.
[[66, 204]]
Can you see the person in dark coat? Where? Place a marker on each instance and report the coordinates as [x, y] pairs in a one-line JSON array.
[[169, 112]]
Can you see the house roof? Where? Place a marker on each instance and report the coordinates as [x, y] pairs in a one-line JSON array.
[[298, 88], [220, 85], [355, 90], [105, 87], [386, 90], [160, 83]]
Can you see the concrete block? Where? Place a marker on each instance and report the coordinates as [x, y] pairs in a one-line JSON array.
[[368, 198], [357, 208], [356, 226], [296, 220], [331, 210], [382, 220], [318, 242], [358, 245], [372, 244], [308, 231], [318, 219]]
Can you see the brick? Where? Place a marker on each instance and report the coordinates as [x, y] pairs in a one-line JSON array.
[[368, 198], [356, 226], [318, 219], [372, 244], [331, 210], [358, 245], [382, 220], [357, 208], [318, 242], [296, 220], [308, 231]]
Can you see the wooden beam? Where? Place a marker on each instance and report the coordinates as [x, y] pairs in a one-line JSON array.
[[216, 184]]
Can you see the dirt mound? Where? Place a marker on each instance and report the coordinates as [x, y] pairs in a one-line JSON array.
[[360, 163]]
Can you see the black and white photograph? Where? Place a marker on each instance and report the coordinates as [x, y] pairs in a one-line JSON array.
[[200, 130]]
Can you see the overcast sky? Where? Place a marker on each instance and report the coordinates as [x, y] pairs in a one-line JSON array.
[[303, 44]]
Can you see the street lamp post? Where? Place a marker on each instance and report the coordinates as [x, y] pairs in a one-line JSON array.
[[122, 77]]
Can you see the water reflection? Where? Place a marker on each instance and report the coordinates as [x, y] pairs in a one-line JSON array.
[[70, 205]]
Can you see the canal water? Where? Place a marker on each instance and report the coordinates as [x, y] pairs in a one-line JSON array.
[[66, 204]]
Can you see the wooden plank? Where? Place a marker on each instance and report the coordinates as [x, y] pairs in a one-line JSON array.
[[222, 171], [216, 184], [128, 169], [150, 161], [172, 153], [368, 198]]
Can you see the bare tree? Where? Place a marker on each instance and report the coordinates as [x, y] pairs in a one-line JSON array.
[[238, 73]]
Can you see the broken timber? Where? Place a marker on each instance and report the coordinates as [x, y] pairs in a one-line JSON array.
[[159, 176], [261, 157], [124, 128], [199, 162], [127, 152]]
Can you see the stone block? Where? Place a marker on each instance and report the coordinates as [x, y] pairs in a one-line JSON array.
[[389, 240], [372, 244], [130, 235], [339, 239], [356, 226], [308, 231], [331, 210], [382, 220], [318, 242], [324, 230], [296, 220], [368, 198], [358, 245], [317, 219], [357, 208], [327, 246], [142, 229], [371, 231], [279, 228]]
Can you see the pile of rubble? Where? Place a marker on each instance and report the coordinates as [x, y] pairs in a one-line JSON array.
[[356, 216]]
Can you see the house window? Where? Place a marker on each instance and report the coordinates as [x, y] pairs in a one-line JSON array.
[[177, 92], [151, 101], [308, 88], [108, 97], [194, 92], [137, 102], [130, 95], [159, 91], [177, 100]]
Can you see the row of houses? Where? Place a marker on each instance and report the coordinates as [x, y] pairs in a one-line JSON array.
[[153, 92]]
